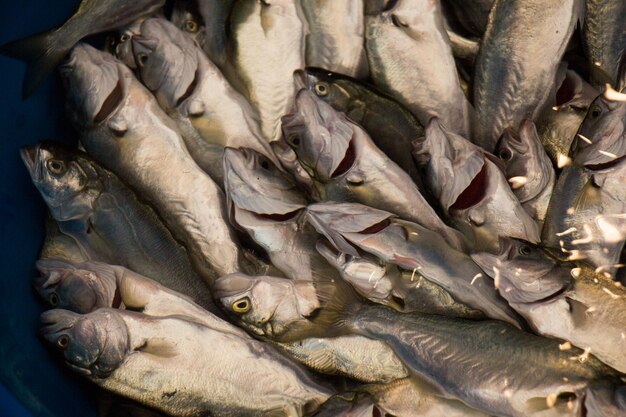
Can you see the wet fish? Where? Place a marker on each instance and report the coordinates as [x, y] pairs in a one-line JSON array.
[[473, 15], [604, 37], [471, 189], [350, 226], [512, 65], [141, 357], [561, 300], [209, 113], [125, 129], [268, 45], [488, 365], [186, 17], [386, 284], [336, 40], [388, 123], [44, 51], [396, 41], [107, 220], [347, 166], [58, 245], [528, 169]]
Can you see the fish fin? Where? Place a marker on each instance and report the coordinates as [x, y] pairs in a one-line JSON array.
[[578, 311], [41, 52]]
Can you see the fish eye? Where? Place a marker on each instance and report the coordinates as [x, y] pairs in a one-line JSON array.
[[505, 154], [191, 26], [595, 111], [294, 140], [242, 305], [525, 250], [124, 37], [142, 58], [63, 341], [56, 167], [265, 164], [53, 299], [321, 89]]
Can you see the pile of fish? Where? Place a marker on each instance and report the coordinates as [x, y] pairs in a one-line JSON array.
[[339, 207]]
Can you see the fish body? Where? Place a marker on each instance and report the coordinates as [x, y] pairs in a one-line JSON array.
[[604, 37], [396, 41], [141, 357], [268, 45], [43, 52], [471, 189], [561, 300], [388, 123], [107, 221], [347, 166], [511, 64], [58, 245], [209, 113], [123, 127], [335, 40]]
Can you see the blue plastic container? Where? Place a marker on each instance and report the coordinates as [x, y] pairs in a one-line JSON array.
[[32, 377]]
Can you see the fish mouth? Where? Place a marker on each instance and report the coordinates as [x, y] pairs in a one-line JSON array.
[[300, 79], [30, 157], [475, 192]]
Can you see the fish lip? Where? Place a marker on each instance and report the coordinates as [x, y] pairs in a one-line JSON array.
[[29, 157], [300, 79]]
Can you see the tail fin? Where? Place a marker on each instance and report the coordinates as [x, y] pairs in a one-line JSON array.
[[41, 52]]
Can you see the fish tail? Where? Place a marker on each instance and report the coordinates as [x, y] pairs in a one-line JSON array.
[[41, 52]]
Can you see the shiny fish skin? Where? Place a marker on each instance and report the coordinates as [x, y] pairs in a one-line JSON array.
[[58, 245], [141, 357], [511, 64], [268, 45], [336, 38], [396, 41], [123, 127]]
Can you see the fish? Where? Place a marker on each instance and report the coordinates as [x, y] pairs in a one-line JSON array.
[[58, 245], [396, 40], [352, 227], [604, 39], [347, 166], [488, 365], [511, 64], [123, 127], [141, 357], [385, 283], [107, 221], [558, 125], [348, 404], [336, 39], [267, 44], [44, 51], [561, 300], [186, 17], [527, 168], [472, 190], [208, 112], [473, 15], [389, 124]]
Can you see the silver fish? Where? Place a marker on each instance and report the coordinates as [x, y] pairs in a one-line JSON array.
[[44, 51], [472, 189], [123, 126], [397, 40], [141, 357], [209, 113], [350, 226], [560, 300], [58, 245], [528, 169], [268, 44], [347, 166], [107, 220], [336, 39], [512, 65]]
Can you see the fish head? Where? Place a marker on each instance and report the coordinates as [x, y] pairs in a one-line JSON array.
[[255, 185], [167, 61], [526, 164], [523, 272], [336, 220], [320, 136], [408, 15], [601, 139], [186, 17], [68, 286], [66, 179], [267, 306], [96, 85], [94, 344], [123, 46], [328, 87]]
